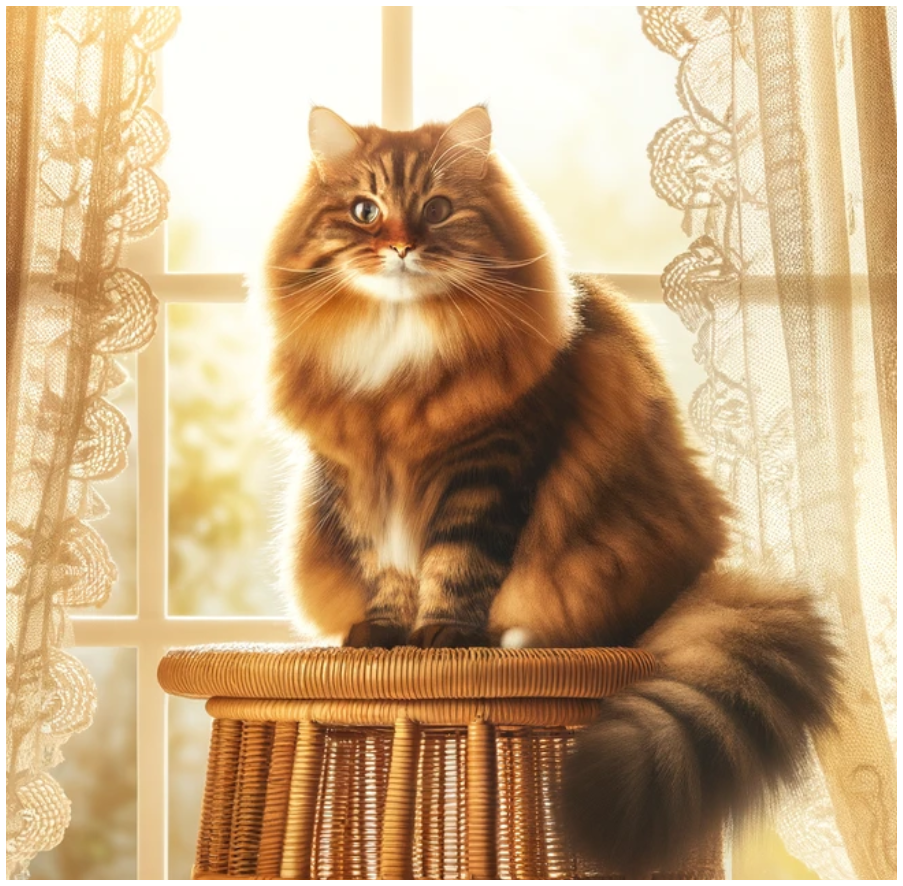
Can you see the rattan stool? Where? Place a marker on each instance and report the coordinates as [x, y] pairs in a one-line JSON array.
[[402, 764]]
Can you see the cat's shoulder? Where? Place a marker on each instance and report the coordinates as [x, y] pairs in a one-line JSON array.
[[608, 320], [603, 308]]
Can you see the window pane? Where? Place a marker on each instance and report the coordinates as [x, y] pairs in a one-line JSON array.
[[119, 529], [98, 776], [225, 467], [189, 738], [576, 94], [239, 82], [759, 854]]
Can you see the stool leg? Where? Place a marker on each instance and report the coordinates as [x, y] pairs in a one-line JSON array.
[[482, 790], [202, 856], [222, 775], [250, 797], [526, 863], [396, 854], [272, 833], [302, 803]]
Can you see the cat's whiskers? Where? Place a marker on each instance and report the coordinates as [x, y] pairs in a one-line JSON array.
[[453, 278], [323, 270], [475, 286], [502, 289], [309, 308], [487, 261], [509, 283], [291, 270], [484, 269], [480, 281], [461, 282], [467, 327], [503, 324], [505, 313], [493, 304], [304, 285], [299, 322], [338, 279]]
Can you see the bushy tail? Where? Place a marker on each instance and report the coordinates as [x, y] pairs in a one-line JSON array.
[[747, 667]]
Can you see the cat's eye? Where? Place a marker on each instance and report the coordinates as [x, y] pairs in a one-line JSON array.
[[437, 210], [365, 211]]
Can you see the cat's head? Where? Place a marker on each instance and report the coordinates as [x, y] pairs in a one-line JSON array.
[[426, 228]]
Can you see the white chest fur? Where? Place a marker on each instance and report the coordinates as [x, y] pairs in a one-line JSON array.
[[369, 354], [396, 545]]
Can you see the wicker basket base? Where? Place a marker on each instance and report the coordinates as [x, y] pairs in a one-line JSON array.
[[295, 801], [411, 764]]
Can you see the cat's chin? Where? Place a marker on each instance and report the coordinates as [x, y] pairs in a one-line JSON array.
[[398, 287]]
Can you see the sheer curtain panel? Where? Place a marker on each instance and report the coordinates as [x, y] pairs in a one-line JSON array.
[[784, 165], [81, 144]]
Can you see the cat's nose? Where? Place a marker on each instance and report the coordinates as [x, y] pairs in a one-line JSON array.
[[401, 248]]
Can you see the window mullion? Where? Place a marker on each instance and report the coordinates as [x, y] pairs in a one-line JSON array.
[[397, 67], [118, 631], [152, 743], [638, 287], [152, 559], [199, 288], [152, 504]]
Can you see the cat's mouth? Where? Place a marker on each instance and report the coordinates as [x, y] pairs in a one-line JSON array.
[[399, 280], [402, 268], [400, 285], [406, 263]]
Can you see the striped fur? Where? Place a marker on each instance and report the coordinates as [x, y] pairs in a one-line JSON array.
[[747, 670], [497, 454]]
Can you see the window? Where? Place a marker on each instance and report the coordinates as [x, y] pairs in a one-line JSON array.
[[190, 519]]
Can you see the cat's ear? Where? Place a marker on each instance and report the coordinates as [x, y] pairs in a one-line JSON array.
[[465, 144], [331, 140]]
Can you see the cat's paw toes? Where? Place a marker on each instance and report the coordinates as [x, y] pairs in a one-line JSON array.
[[376, 634], [447, 636]]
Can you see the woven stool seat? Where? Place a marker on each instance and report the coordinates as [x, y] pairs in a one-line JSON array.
[[395, 764]]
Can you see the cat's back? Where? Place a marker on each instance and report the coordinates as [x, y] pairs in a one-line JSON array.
[[624, 519]]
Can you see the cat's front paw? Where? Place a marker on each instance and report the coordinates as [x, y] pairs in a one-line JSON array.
[[376, 634], [447, 636]]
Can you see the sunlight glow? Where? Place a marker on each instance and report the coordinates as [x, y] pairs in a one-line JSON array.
[[238, 85], [574, 99]]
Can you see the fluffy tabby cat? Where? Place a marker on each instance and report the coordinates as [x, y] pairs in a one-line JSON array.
[[495, 447]]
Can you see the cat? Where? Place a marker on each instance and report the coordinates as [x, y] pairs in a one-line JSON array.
[[496, 454]]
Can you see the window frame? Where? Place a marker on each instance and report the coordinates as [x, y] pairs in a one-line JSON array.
[[151, 631]]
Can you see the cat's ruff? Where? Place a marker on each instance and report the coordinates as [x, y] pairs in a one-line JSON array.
[[397, 339]]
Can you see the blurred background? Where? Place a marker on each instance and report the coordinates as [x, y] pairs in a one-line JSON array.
[[575, 96]]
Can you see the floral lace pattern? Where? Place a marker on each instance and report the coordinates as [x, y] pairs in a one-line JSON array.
[[89, 189], [765, 166]]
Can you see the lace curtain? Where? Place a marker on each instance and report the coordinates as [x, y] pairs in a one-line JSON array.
[[81, 144], [785, 168]]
